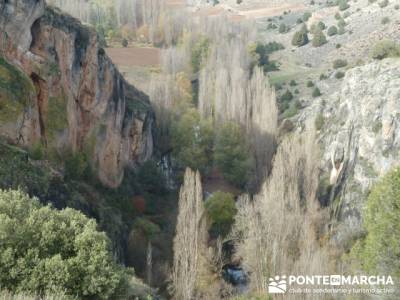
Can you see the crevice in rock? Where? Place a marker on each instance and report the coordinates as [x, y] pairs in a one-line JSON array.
[[42, 102]]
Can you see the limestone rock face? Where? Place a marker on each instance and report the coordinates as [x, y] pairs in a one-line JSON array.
[[79, 101], [361, 137]]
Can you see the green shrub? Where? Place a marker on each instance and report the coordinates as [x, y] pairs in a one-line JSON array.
[[319, 121], [286, 97], [341, 23], [292, 82], [261, 52], [338, 46], [306, 16], [300, 38], [125, 43], [292, 110], [323, 77], [384, 3], [221, 211], [192, 140], [339, 75], [272, 47], [231, 155], [385, 20], [319, 39], [338, 16], [321, 25], [199, 54], [283, 28], [145, 228], [341, 30], [339, 63], [36, 152], [76, 166], [332, 31], [384, 49], [343, 5], [55, 251], [380, 249], [316, 92], [16, 171], [150, 178], [310, 84]]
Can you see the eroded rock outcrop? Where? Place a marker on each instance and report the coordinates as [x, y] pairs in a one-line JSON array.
[[74, 97], [361, 137]]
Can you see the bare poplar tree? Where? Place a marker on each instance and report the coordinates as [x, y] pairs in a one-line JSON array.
[[190, 237], [277, 231]]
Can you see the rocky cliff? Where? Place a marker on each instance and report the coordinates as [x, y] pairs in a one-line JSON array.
[[361, 139], [59, 88]]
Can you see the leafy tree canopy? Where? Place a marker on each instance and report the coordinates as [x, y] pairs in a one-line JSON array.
[[221, 211], [379, 251], [231, 155], [44, 251]]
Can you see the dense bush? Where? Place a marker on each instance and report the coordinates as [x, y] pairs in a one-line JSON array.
[[17, 172], [286, 97], [385, 20], [221, 211], [261, 52], [384, 3], [306, 16], [292, 109], [379, 251], [36, 152], [321, 25], [319, 121], [48, 251], [199, 54], [150, 179], [300, 38], [76, 166], [283, 28], [339, 75], [343, 5], [319, 38], [332, 31], [191, 141], [310, 84], [316, 92], [339, 63], [231, 155], [384, 49], [125, 43]]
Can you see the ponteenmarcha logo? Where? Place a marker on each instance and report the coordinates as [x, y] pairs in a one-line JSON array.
[[277, 285], [280, 284]]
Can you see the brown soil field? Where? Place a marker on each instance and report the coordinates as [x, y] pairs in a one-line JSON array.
[[250, 12], [134, 56], [271, 10]]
